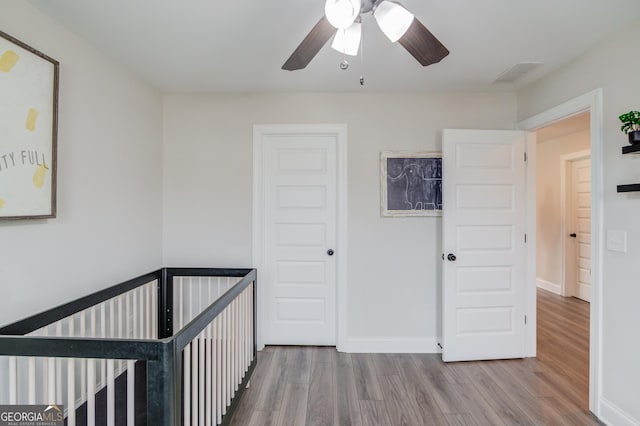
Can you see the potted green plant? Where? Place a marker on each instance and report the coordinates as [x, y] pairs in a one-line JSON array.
[[631, 125]]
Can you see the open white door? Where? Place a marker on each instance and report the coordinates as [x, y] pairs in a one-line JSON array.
[[484, 260], [580, 210]]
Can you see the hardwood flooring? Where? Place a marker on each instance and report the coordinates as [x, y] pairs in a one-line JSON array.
[[319, 386]]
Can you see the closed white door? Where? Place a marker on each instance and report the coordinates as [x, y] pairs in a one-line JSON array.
[[483, 181], [299, 252], [581, 229]]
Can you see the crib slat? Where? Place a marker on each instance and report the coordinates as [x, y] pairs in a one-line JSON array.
[[103, 333], [111, 394], [249, 336], [71, 393], [134, 309], [194, 382], [83, 368], [51, 382], [13, 380], [147, 291], [112, 318], [180, 307], [218, 380], [201, 360], [232, 355], [243, 329], [59, 396], [223, 366], [131, 404], [91, 391], [191, 308], [128, 315], [239, 340], [120, 301], [154, 310], [141, 325], [236, 337], [252, 321], [32, 380], [234, 352], [208, 363], [229, 354], [45, 371], [200, 295], [225, 359]]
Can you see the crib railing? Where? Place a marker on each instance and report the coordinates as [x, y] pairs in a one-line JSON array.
[[176, 346]]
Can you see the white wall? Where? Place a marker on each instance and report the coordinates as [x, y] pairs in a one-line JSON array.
[[393, 263], [612, 67], [549, 239], [109, 220]]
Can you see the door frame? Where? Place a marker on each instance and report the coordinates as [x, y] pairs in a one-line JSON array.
[[289, 130], [592, 102], [566, 208]]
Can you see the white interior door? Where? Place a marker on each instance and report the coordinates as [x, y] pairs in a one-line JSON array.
[[300, 212], [580, 261], [484, 260]]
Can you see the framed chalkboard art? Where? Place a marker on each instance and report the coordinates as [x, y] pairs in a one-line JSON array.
[[411, 184], [28, 131]]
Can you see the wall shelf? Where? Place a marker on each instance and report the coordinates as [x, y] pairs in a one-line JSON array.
[[634, 187], [629, 188], [630, 149]]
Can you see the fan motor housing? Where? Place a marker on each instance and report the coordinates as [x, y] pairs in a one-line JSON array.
[[367, 6]]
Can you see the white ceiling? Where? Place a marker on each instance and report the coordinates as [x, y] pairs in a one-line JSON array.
[[231, 46]]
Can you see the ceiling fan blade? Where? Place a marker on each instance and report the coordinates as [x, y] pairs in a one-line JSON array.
[[310, 46], [423, 45]]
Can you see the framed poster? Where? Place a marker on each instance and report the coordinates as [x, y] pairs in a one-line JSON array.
[[28, 131], [411, 184]]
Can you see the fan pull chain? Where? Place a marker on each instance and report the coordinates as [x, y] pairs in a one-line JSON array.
[[362, 60]]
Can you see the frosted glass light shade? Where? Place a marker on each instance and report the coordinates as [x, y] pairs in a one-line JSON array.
[[393, 19], [342, 13], [347, 41]]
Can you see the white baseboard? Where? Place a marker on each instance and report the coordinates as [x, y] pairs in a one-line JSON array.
[[391, 345], [611, 414], [549, 286]]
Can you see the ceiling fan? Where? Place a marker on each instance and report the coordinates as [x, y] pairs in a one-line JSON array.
[[343, 20]]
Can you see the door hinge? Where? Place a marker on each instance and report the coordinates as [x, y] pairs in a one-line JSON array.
[[525, 320], [525, 238], [525, 157]]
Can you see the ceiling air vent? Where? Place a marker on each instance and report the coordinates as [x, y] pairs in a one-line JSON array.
[[516, 72]]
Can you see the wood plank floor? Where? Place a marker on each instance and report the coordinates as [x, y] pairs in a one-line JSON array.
[[319, 386]]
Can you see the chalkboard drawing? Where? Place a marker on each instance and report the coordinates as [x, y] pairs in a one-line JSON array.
[[411, 184]]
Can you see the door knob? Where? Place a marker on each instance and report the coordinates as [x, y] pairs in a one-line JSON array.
[[451, 257], [573, 235], [330, 252]]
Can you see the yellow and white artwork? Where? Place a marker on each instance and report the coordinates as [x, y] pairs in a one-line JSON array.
[[28, 114]]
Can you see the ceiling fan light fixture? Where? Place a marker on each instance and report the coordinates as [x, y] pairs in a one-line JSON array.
[[393, 19], [347, 41], [342, 13]]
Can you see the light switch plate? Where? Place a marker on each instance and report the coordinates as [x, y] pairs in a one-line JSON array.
[[617, 241]]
